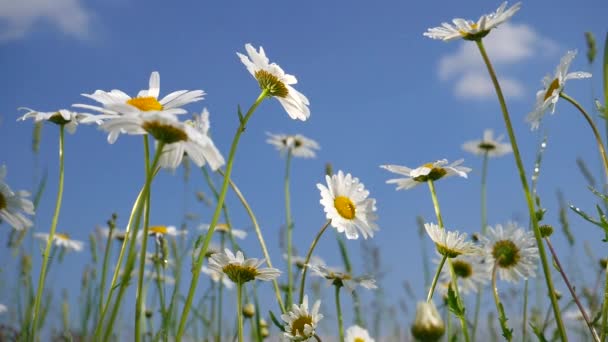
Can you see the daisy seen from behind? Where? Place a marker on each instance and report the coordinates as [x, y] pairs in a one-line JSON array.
[[470, 30], [276, 82], [14, 206], [239, 269], [300, 324], [450, 244], [298, 145], [488, 145], [64, 117], [553, 85], [342, 279], [225, 229], [512, 250], [357, 334], [472, 272], [347, 205], [62, 240], [427, 172]]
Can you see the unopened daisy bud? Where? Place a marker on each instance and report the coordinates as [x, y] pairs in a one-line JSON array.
[[263, 323], [603, 263], [93, 247], [329, 170], [148, 313], [428, 325], [558, 295], [264, 332], [248, 310], [26, 264], [591, 47], [545, 230]]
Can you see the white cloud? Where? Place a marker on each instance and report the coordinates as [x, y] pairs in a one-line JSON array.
[[507, 45], [17, 17]]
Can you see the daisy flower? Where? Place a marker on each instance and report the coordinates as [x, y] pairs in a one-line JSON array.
[[217, 277], [276, 82], [430, 171], [14, 205], [553, 85], [339, 278], [450, 244], [488, 145], [513, 250], [117, 102], [346, 204], [62, 240], [207, 152], [472, 271], [428, 325], [117, 234], [224, 229], [357, 334], [61, 117], [300, 323], [298, 145], [470, 30], [163, 231], [299, 260], [239, 269]]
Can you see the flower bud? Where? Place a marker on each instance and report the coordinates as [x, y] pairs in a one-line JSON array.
[[248, 310], [428, 325]]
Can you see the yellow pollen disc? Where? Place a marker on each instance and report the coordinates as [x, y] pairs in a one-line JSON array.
[[163, 132], [146, 104], [240, 274], [271, 83], [428, 165], [359, 339], [552, 87], [158, 230], [221, 227], [61, 236], [474, 26], [345, 207], [297, 326], [3, 203]]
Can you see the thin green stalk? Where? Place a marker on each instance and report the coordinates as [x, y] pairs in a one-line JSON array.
[[160, 285], [429, 296], [258, 232], [220, 297], [140, 295], [524, 324], [506, 332], [196, 270], [605, 309], [289, 228], [339, 313], [104, 267], [529, 200], [307, 260], [239, 309], [484, 223], [435, 203], [49, 243]]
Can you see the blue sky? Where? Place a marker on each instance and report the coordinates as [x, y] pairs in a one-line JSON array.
[[380, 93]]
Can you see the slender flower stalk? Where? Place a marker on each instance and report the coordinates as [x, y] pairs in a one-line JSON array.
[[104, 268], [49, 244], [339, 313], [196, 271], [572, 292], [529, 200], [499, 307], [289, 227], [484, 223], [429, 297], [239, 310], [307, 260], [435, 203]]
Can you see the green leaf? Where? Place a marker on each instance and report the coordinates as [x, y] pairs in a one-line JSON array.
[[276, 322], [502, 318], [538, 332], [453, 304]]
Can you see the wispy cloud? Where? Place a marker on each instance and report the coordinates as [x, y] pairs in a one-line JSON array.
[[18, 17], [507, 45]]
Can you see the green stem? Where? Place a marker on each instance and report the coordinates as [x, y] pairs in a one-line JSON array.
[[499, 307], [307, 260], [339, 313], [605, 309], [49, 243], [196, 270], [239, 309], [289, 232], [220, 296], [484, 223], [529, 200], [104, 268], [160, 284], [524, 323], [258, 232], [435, 203], [429, 297]]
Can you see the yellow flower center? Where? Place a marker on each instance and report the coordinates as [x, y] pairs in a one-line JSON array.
[[435, 173], [297, 326], [462, 269], [145, 104], [552, 87], [3, 203], [61, 236], [163, 132], [158, 230], [222, 227], [345, 207], [359, 339], [271, 83], [240, 274], [446, 251]]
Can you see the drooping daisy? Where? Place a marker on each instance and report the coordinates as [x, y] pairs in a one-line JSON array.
[[346, 204], [553, 85], [62, 240], [300, 323], [428, 325], [239, 269], [117, 234], [299, 260], [357, 334], [224, 229], [61, 117], [490, 146], [430, 171], [217, 277], [450, 244], [298, 145], [163, 231], [273, 79], [14, 205], [472, 272], [513, 250], [174, 153], [470, 30], [340, 278], [117, 102]]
